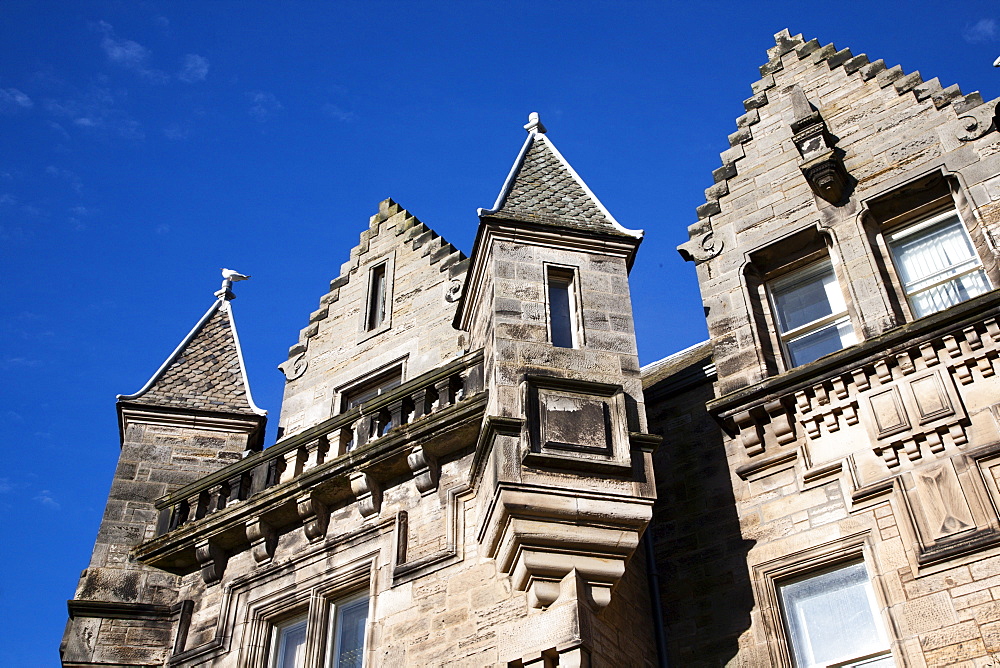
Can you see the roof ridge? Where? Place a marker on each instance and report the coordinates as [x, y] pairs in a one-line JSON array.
[[785, 44]]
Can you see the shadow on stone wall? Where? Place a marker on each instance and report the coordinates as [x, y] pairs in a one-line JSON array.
[[705, 587]]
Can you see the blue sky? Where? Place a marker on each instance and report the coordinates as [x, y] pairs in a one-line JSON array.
[[144, 145]]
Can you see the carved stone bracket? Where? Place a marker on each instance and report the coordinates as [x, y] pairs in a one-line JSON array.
[[821, 164], [703, 244], [263, 539], [425, 469], [368, 492], [314, 516], [977, 122], [211, 559]]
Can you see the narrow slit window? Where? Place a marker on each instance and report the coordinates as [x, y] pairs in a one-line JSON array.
[[563, 324], [376, 297]]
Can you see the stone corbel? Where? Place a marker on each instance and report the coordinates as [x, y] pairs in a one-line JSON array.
[[314, 516], [821, 164], [750, 436], [425, 470], [263, 539], [781, 423], [977, 122], [368, 492], [703, 245], [212, 560]]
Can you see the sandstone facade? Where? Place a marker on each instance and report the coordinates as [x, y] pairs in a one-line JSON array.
[[469, 469]]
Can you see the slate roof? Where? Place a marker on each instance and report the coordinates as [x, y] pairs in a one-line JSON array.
[[542, 187], [205, 372]]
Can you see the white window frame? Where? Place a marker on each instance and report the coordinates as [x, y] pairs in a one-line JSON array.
[[868, 655], [972, 265], [838, 317], [334, 632], [279, 637]]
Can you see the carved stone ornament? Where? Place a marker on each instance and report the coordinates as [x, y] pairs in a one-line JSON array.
[[454, 291], [821, 165], [978, 122], [294, 367], [703, 244]]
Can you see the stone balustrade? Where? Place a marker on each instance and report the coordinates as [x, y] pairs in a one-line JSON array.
[[347, 434]]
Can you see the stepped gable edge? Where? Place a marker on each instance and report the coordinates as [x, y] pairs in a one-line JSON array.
[[859, 65], [415, 234]]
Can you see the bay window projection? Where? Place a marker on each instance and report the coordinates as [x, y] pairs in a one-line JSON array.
[[832, 619], [810, 313], [937, 264]]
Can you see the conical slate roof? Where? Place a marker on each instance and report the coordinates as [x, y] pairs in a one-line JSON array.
[[206, 371], [543, 188]]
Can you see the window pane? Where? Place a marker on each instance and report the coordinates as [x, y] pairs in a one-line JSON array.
[[830, 618], [349, 634], [938, 266], [291, 645], [810, 347], [953, 292], [560, 314], [805, 297]]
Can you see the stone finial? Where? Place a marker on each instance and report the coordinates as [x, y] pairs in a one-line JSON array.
[[534, 124], [228, 277]]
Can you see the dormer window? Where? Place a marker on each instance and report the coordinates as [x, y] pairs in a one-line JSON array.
[[810, 313], [937, 264]]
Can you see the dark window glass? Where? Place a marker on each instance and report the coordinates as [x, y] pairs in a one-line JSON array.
[[561, 308], [376, 297]]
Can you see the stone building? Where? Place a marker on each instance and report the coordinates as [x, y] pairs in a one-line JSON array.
[[472, 469]]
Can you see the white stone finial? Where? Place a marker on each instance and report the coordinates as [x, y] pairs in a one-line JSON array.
[[228, 276], [534, 125]]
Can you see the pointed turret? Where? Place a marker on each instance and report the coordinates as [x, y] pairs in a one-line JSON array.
[[547, 299], [543, 188], [206, 371], [192, 418]]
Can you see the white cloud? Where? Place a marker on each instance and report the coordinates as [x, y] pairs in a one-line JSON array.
[[11, 99], [45, 498], [97, 111], [335, 112], [193, 69], [176, 132], [263, 105], [127, 53], [983, 30]]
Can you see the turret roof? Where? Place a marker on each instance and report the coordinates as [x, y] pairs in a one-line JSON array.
[[206, 371], [543, 188]]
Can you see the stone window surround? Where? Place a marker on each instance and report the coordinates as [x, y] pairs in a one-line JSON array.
[[568, 274], [387, 260], [878, 230], [760, 268], [769, 575], [317, 603]]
